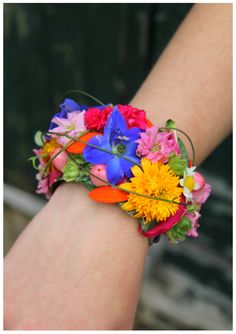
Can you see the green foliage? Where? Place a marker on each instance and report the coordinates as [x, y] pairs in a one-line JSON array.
[[149, 226], [179, 231], [70, 171], [170, 124], [193, 207], [33, 160], [77, 169], [38, 139], [177, 164]]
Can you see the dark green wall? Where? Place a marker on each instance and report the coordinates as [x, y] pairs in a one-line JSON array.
[[104, 49]]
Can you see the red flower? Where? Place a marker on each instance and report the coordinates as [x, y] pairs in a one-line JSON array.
[[134, 117], [95, 119]]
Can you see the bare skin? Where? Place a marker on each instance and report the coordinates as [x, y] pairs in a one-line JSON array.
[[79, 264]]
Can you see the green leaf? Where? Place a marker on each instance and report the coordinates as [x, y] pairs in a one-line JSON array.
[[87, 184], [38, 139], [179, 231], [33, 160], [149, 226], [79, 159], [170, 124], [193, 207], [177, 164]]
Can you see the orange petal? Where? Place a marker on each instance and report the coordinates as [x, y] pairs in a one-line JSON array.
[[77, 147], [108, 194], [149, 123]]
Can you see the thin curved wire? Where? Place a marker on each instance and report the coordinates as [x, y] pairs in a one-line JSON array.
[[187, 136], [84, 93]]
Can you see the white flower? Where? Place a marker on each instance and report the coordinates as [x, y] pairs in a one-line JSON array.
[[187, 182]]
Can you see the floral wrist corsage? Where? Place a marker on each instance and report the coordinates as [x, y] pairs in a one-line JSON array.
[[120, 157]]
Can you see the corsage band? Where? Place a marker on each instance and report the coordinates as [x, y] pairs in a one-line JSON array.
[[121, 157]]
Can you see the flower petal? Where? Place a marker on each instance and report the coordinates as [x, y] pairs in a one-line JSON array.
[[115, 122], [108, 194], [133, 133], [201, 195], [114, 170], [127, 165], [131, 148], [94, 155], [77, 147], [69, 105]]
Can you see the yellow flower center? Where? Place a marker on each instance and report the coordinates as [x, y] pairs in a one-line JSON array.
[[155, 180], [155, 148], [70, 127], [50, 147], [189, 182]]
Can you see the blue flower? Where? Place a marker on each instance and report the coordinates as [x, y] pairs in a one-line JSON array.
[[67, 106], [117, 138]]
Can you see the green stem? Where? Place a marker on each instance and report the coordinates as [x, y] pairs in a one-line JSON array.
[[97, 147], [59, 152]]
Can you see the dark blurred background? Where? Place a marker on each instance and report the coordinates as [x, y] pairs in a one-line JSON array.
[[107, 50]]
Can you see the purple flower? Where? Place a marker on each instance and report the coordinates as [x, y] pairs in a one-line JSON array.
[[66, 107], [117, 138]]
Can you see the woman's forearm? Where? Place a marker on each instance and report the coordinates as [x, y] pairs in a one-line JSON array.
[[79, 264], [192, 81]]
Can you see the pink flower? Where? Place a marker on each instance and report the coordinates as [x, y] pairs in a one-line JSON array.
[[165, 226], [194, 219], [199, 181], [72, 125], [38, 153], [157, 146], [95, 119], [59, 161], [54, 176], [43, 186], [45, 183], [200, 196], [134, 117]]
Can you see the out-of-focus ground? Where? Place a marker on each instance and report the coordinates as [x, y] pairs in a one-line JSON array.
[[185, 286]]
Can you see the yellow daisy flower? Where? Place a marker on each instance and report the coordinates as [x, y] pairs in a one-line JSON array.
[[155, 180]]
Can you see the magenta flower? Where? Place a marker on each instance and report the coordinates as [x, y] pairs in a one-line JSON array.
[[72, 126], [194, 219], [165, 226], [157, 146]]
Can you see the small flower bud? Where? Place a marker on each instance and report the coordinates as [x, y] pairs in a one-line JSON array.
[[99, 170], [70, 171]]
